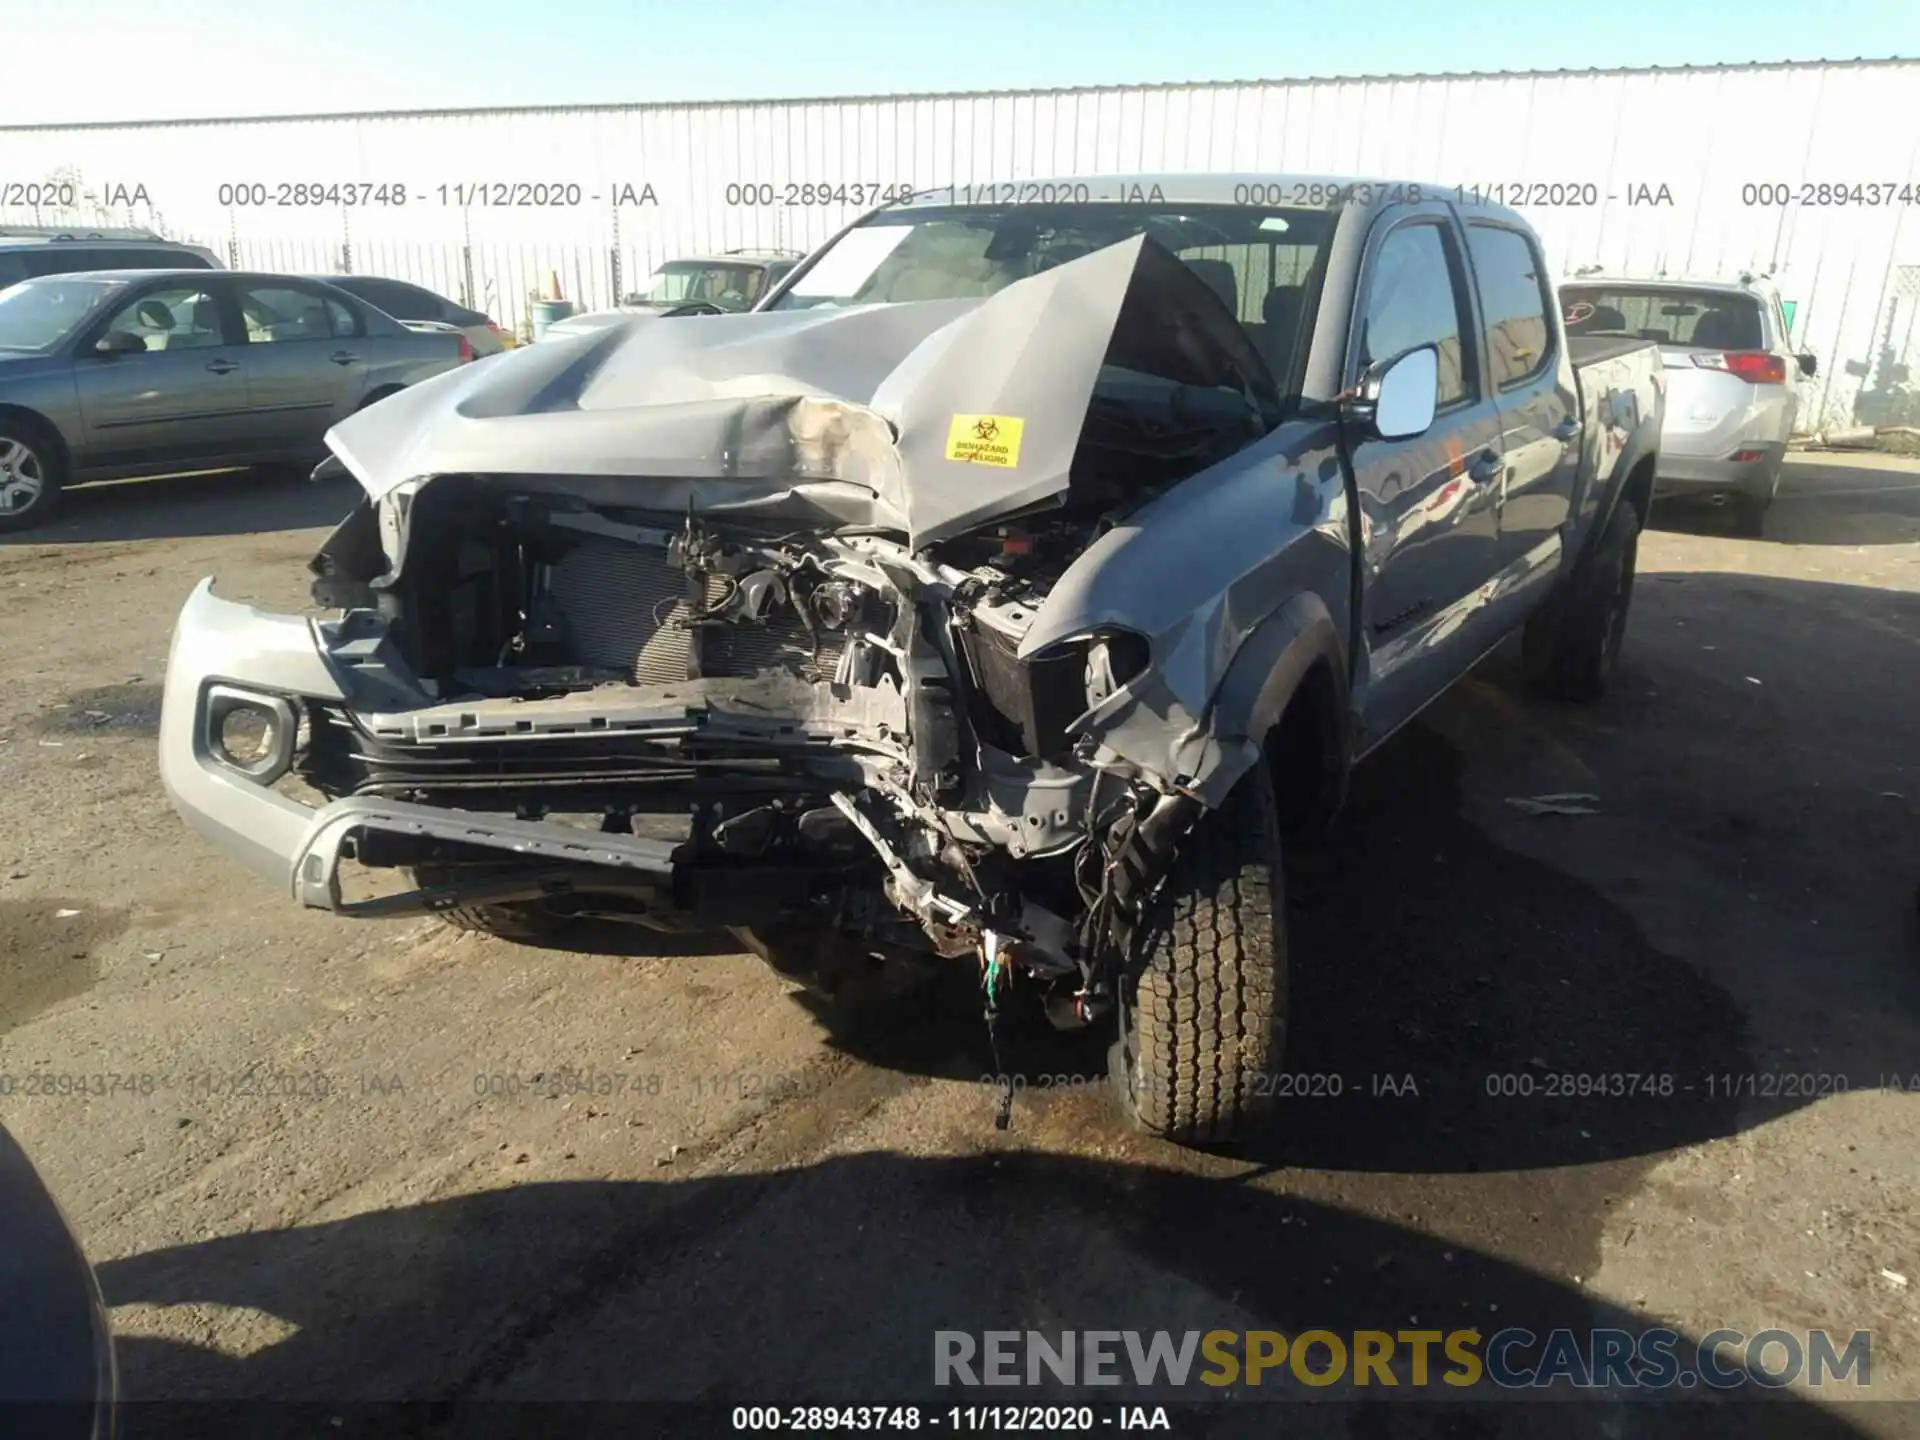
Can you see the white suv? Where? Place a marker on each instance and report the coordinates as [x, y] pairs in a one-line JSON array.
[[1730, 375]]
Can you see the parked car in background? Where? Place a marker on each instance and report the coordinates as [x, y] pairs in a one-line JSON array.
[[732, 281], [58, 1377], [27, 251], [417, 305], [715, 285], [109, 374], [1726, 354]]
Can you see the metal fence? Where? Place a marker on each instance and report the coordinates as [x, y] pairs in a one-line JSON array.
[[1811, 171]]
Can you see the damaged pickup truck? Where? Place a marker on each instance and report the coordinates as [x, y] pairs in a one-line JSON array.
[[1006, 589]]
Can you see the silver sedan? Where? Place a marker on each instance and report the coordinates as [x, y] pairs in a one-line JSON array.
[[116, 373]]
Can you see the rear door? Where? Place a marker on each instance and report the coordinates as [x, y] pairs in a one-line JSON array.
[[1533, 386], [306, 362], [179, 402], [1428, 505]]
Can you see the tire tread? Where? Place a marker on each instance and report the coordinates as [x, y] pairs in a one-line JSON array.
[[1208, 1017]]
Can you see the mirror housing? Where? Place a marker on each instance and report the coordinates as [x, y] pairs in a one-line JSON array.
[[119, 342], [1395, 399], [1808, 365]]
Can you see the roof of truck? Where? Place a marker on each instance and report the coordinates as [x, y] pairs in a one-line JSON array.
[[1281, 191]]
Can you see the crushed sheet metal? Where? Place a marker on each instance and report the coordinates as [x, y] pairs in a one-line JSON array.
[[757, 410]]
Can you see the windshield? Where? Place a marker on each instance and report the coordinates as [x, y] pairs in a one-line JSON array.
[[37, 315], [1709, 319], [683, 281], [1258, 261]]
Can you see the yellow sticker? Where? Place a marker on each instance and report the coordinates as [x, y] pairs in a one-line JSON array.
[[985, 439]]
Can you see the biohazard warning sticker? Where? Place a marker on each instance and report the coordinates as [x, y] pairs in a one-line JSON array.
[[985, 439]]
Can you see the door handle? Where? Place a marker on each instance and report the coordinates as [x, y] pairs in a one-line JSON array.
[[343, 357], [1567, 431], [1486, 466], [223, 367]]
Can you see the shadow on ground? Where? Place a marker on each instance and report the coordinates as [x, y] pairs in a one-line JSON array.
[[830, 1281], [1818, 505], [1461, 1007], [1442, 988], [231, 502]]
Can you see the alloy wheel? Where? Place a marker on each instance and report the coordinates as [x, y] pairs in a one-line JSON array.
[[23, 478]]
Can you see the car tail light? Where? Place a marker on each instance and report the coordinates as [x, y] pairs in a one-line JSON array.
[[1742, 457], [1757, 367], [466, 349]]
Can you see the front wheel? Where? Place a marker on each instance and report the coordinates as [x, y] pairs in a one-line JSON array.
[[31, 476], [1203, 1013], [526, 922], [832, 966]]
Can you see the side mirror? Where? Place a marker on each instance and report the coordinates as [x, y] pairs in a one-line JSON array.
[[120, 342], [1808, 365], [1396, 399]]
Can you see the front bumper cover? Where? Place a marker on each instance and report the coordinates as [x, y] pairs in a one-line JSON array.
[[221, 645]]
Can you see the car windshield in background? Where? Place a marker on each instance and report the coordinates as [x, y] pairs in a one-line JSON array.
[[1702, 319], [1258, 261], [36, 315], [682, 284]]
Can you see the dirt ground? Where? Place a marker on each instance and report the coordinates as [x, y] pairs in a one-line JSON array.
[[378, 1160]]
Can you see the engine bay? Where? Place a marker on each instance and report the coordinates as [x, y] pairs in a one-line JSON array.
[[839, 724]]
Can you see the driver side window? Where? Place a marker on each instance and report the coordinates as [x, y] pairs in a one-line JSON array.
[[1413, 299], [180, 317]]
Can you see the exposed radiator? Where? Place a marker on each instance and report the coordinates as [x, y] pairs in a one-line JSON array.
[[625, 608]]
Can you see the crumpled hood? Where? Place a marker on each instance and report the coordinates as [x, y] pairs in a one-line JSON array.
[[982, 403]]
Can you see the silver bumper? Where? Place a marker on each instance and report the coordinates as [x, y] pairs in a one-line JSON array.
[[223, 647]]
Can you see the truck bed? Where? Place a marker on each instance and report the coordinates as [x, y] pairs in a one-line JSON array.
[[1618, 380]]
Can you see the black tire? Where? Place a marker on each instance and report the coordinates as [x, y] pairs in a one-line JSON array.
[[526, 922], [1202, 1024], [30, 461], [1750, 515], [1572, 642]]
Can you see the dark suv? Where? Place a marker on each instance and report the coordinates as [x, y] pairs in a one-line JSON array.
[[29, 251]]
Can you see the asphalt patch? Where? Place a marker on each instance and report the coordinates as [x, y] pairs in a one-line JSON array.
[[1460, 1007], [129, 709]]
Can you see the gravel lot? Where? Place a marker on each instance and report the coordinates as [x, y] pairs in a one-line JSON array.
[[768, 1209]]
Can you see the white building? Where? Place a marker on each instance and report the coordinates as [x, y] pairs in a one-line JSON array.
[[1809, 170]]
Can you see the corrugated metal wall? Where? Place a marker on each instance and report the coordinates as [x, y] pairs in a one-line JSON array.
[[1658, 165]]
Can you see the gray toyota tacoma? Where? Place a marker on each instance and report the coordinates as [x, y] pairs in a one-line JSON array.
[[1006, 589]]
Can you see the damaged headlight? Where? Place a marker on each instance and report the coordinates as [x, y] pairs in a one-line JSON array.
[[1032, 702], [1113, 657]]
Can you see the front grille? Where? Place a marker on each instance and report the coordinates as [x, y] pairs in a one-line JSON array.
[[625, 608]]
